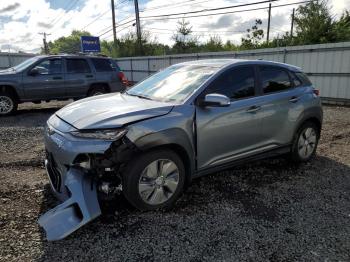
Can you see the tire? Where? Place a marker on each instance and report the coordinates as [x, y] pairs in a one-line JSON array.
[[8, 103], [97, 90], [305, 142], [145, 189]]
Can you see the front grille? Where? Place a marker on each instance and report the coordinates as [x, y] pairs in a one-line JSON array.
[[54, 173]]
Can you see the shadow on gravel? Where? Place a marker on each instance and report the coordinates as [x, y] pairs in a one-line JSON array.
[[273, 200]]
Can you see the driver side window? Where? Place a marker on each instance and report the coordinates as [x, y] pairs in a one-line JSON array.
[[49, 67], [236, 83]]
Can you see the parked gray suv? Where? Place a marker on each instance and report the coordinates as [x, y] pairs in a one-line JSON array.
[[183, 122], [58, 77]]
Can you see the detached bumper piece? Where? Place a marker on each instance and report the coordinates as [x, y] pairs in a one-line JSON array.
[[76, 211]]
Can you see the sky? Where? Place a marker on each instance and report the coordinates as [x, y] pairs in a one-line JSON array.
[[22, 21]]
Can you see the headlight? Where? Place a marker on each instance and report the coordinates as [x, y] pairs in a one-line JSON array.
[[108, 134]]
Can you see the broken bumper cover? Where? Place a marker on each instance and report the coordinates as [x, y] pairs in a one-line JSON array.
[[81, 207]]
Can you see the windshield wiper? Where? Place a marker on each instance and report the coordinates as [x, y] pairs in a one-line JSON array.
[[139, 96]]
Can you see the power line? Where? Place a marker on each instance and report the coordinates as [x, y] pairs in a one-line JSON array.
[[222, 13], [119, 25], [173, 5], [74, 3], [98, 17], [212, 9]]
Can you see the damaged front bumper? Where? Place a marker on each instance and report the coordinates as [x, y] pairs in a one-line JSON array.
[[81, 207], [74, 187]]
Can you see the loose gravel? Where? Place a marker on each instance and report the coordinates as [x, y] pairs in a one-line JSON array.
[[264, 211]]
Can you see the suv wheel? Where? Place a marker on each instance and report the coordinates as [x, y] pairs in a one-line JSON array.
[[8, 103], [154, 180], [97, 90], [305, 142]]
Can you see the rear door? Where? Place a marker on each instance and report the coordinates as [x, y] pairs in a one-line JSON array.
[[228, 133], [79, 77], [280, 105], [48, 83], [107, 72]]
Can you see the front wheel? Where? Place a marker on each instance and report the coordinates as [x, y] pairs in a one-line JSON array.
[[305, 142], [154, 180]]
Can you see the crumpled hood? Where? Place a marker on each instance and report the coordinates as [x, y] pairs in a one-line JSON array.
[[111, 111]]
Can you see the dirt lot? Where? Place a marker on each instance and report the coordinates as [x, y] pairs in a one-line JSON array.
[[264, 211]]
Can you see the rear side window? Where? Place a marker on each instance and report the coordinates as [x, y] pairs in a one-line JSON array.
[[75, 66], [274, 79], [235, 83], [303, 78], [103, 65]]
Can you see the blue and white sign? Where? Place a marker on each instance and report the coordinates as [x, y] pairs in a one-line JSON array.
[[90, 44]]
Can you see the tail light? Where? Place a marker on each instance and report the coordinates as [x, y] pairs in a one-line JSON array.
[[123, 78], [317, 92]]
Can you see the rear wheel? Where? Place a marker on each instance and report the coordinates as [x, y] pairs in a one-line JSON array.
[[97, 90], [8, 103], [305, 142], [154, 180]]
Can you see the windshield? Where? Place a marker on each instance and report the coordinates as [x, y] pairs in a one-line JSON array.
[[175, 83], [25, 64]]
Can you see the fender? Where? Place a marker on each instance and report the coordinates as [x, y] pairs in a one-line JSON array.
[[314, 112], [174, 138]]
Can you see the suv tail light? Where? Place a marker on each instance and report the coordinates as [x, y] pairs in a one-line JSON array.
[[123, 78], [317, 92]]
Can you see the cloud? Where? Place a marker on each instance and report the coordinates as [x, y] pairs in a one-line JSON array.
[[44, 25], [21, 23], [10, 8], [224, 21]]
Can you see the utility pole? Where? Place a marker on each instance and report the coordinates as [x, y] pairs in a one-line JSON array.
[[113, 23], [138, 27], [268, 25], [46, 47], [291, 28]]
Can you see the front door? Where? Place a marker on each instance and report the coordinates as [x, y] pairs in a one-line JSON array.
[[228, 133], [48, 83]]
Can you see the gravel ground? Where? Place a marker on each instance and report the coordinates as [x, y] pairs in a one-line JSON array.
[[265, 211]]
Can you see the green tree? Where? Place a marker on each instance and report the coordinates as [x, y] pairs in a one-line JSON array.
[[253, 37], [184, 41], [342, 27], [68, 44], [314, 24]]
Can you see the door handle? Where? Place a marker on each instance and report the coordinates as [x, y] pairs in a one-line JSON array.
[[294, 99], [57, 78], [253, 109], [89, 76]]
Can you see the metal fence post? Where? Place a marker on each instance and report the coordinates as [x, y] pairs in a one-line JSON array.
[[132, 73], [284, 55], [148, 69], [170, 60], [9, 59]]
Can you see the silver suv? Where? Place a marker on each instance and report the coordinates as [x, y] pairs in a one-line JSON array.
[[58, 77], [186, 121]]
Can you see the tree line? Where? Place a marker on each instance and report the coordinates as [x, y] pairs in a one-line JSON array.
[[314, 24]]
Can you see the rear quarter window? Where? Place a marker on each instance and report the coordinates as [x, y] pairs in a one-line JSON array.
[[303, 78], [103, 65]]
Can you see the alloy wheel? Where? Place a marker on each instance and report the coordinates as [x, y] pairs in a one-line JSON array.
[[159, 181], [6, 105], [307, 142]]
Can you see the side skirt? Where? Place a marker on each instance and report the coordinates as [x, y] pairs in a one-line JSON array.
[[267, 154]]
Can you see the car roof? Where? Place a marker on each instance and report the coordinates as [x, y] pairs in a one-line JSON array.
[[74, 56], [220, 63]]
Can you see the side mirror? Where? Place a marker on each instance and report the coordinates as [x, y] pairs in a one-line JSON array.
[[33, 72], [215, 100]]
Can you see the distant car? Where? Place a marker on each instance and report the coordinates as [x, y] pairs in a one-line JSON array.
[[186, 121], [58, 77]]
